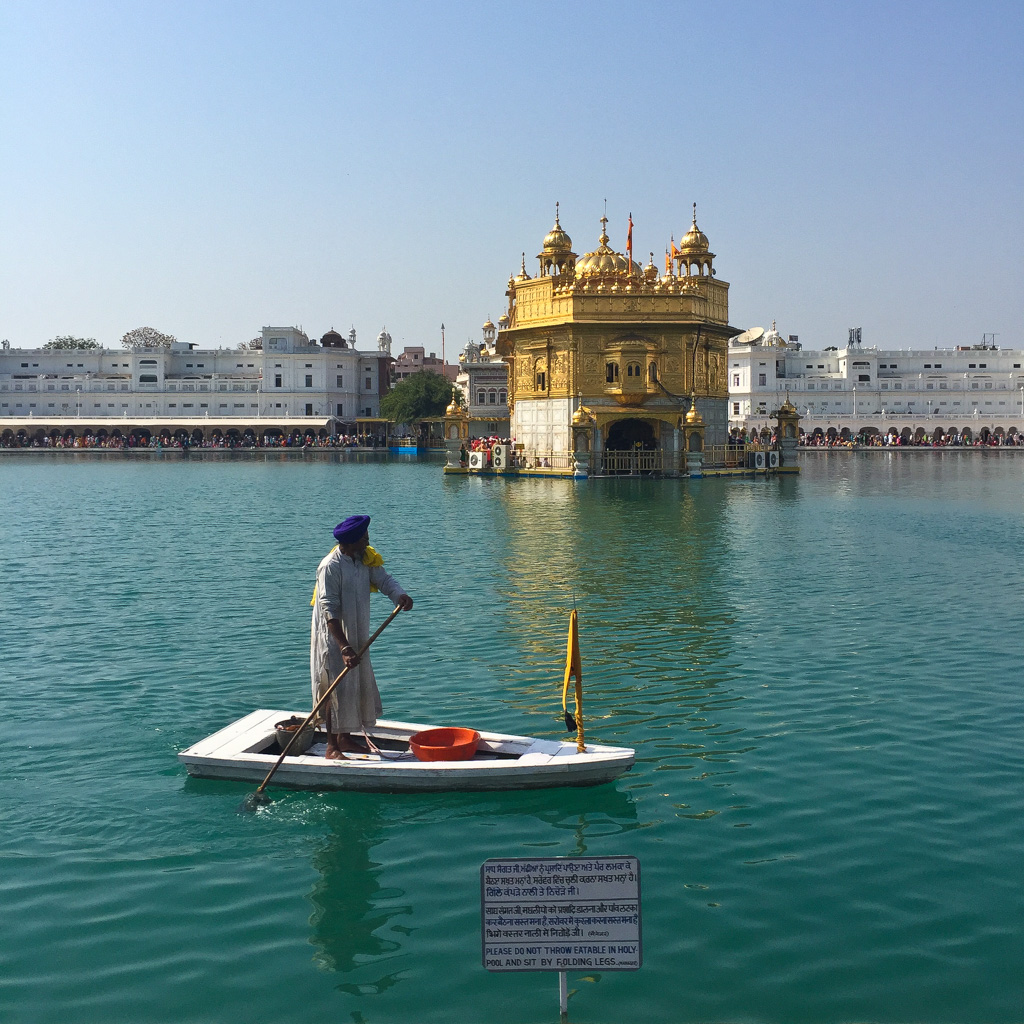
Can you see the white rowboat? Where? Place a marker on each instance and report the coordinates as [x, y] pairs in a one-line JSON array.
[[247, 749]]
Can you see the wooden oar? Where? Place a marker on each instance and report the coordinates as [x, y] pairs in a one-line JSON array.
[[257, 799]]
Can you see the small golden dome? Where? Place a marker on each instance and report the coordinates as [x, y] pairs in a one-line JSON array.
[[693, 418], [582, 417], [488, 326], [556, 240], [787, 407], [453, 408], [694, 240], [523, 275]]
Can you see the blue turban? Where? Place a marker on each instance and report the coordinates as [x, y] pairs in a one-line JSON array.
[[351, 529]]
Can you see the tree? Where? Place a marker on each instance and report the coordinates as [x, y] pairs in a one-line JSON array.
[[418, 397], [69, 341], [256, 345], [147, 337]]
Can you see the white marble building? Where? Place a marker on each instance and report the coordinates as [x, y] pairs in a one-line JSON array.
[[292, 377], [858, 387], [483, 378]]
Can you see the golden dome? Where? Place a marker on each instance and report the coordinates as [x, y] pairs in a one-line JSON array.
[[787, 407], [453, 408], [582, 417], [693, 418], [556, 240], [523, 275], [694, 240], [604, 261], [488, 326]]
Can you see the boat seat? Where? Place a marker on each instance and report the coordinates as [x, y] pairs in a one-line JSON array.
[[534, 758]]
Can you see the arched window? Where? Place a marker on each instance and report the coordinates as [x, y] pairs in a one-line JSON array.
[[652, 373], [492, 397], [611, 373], [633, 370]]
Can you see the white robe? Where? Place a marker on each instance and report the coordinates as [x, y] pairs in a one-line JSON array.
[[343, 593]]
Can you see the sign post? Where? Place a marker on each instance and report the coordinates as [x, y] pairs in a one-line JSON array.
[[560, 913]]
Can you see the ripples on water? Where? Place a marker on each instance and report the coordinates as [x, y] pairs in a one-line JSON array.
[[819, 676]]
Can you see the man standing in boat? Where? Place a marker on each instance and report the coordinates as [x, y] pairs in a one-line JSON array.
[[340, 628]]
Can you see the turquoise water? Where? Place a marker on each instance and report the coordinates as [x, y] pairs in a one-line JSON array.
[[821, 677]]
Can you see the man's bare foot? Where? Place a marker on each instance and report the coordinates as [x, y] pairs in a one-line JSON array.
[[344, 743], [333, 754]]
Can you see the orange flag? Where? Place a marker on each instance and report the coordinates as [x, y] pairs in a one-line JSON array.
[[629, 239]]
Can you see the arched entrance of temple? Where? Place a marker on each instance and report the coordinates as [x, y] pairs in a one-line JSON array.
[[626, 435], [631, 448]]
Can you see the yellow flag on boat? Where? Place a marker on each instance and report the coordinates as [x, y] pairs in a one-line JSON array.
[[371, 558], [574, 669]]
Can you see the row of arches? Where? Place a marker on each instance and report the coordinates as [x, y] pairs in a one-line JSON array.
[[491, 396], [634, 372], [919, 435]]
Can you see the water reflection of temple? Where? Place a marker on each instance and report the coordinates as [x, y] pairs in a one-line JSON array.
[[647, 566]]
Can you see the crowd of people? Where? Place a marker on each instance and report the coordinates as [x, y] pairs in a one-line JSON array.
[[482, 444], [895, 440], [121, 442], [737, 439], [742, 439]]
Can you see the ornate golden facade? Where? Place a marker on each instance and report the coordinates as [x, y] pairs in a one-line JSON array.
[[626, 342]]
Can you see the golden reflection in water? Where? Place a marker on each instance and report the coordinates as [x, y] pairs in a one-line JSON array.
[[642, 560]]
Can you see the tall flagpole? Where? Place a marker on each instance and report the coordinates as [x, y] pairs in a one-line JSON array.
[[443, 366]]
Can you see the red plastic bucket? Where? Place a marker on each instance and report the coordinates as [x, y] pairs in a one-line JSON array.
[[447, 744]]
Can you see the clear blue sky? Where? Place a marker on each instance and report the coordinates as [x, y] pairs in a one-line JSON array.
[[207, 168]]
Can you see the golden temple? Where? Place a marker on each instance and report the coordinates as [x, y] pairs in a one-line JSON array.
[[608, 355]]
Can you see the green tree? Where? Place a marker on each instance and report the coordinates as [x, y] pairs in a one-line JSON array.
[[418, 397], [69, 341], [147, 337]]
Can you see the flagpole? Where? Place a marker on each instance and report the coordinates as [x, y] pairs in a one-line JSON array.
[[443, 365]]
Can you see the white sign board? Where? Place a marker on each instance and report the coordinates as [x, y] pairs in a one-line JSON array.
[[560, 913]]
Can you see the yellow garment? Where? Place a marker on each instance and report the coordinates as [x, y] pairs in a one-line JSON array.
[[574, 667], [371, 557]]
